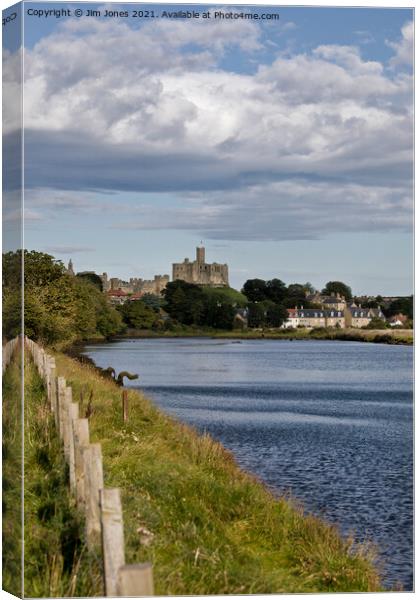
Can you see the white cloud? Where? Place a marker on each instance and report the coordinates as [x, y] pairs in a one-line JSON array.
[[404, 49], [109, 107]]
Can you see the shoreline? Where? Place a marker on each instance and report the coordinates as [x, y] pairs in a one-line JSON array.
[[375, 336], [163, 445]]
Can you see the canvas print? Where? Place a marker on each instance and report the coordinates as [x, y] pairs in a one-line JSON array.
[[207, 299]]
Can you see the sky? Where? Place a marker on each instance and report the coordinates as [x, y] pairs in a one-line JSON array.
[[285, 146]]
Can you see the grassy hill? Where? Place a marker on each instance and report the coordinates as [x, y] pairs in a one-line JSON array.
[[227, 294]]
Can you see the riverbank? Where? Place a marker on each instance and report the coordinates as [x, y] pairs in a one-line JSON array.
[[207, 526], [376, 336]]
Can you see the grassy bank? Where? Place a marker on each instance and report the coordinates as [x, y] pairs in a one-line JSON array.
[[377, 336], [56, 559], [208, 527]]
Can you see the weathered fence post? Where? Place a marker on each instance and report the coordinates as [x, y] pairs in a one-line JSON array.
[[73, 416], [135, 580], [53, 385], [66, 422], [93, 483], [125, 405], [61, 392], [81, 440], [112, 537]]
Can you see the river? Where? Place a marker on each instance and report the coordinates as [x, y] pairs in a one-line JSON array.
[[329, 421]]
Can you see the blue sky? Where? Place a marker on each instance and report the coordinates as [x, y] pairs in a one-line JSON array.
[[286, 146]]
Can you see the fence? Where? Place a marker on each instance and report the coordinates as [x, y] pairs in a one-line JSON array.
[[101, 506], [8, 351]]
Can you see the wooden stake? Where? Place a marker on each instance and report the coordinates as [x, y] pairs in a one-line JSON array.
[[61, 385], [112, 537], [94, 483], [73, 415], [135, 580], [81, 440], [67, 422], [125, 405]]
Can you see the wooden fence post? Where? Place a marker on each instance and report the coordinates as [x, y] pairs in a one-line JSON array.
[[112, 537], [53, 385], [81, 440], [66, 422], [61, 391], [93, 483], [135, 580], [125, 405], [73, 416]]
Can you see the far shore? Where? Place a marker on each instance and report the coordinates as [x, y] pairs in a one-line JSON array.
[[381, 336]]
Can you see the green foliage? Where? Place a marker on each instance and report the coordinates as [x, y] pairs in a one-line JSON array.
[[184, 302], [338, 287], [377, 323], [226, 294], [296, 296], [153, 301], [138, 315], [59, 308], [266, 314], [92, 278], [401, 305], [257, 290]]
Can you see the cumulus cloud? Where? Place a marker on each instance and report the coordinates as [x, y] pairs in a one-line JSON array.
[[404, 48], [111, 108]]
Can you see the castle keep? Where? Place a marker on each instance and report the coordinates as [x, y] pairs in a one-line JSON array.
[[200, 272]]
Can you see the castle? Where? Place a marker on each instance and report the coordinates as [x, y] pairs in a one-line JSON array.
[[200, 272]]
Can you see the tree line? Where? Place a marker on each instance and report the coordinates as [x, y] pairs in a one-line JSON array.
[[62, 308]]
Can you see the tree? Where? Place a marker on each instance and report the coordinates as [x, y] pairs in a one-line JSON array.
[[338, 287], [152, 300], [218, 313], [256, 314], [296, 296], [255, 290], [59, 308], [185, 302], [276, 314], [401, 305], [276, 291], [138, 315], [93, 278], [377, 323]]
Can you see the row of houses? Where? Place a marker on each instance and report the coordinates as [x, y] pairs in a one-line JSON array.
[[348, 316]]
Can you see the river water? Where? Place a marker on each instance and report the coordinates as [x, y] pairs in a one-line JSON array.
[[328, 421]]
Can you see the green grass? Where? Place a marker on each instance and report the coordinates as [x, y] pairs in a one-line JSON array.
[[381, 336], [208, 527], [12, 480], [56, 559], [227, 293]]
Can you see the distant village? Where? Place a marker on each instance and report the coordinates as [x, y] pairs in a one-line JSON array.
[[331, 310]]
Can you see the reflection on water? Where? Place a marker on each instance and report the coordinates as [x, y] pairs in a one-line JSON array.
[[330, 421]]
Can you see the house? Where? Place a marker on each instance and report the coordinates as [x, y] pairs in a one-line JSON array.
[[361, 317], [117, 296], [240, 320], [353, 316], [398, 320]]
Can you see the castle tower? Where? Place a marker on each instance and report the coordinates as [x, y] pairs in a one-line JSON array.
[[201, 254]]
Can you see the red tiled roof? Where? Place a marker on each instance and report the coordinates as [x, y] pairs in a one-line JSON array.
[[136, 296], [117, 293]]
